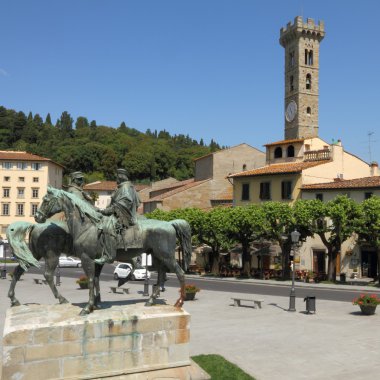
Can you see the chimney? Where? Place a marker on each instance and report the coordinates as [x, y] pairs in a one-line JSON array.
[[374, 168]]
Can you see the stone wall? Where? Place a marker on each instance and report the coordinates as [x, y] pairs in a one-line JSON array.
[[54, 342]]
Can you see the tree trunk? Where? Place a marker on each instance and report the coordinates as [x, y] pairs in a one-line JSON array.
[[214, 262], [332, 255], [246, 260]]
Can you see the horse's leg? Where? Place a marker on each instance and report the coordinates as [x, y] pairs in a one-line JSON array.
[[98, 270], [156, 288], [11, 292], [181, 278], [51, 262], [89, 268]]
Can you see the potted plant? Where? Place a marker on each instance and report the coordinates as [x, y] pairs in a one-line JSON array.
[[367, 303], [83, 282], [190, 291]]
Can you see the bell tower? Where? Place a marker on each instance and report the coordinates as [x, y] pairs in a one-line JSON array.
[[301, 42]]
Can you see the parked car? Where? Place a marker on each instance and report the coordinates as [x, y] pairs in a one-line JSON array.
[[123, 270], [68, 261]]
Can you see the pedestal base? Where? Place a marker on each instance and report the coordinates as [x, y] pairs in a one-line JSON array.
[[123, 342]]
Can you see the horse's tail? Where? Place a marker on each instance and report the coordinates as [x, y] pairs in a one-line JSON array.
[[16, 233], [183, 232]]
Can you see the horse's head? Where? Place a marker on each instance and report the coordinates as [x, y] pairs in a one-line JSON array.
[[50, 205]]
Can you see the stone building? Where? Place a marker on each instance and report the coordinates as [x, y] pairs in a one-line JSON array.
[[24, 180], [209, 187]]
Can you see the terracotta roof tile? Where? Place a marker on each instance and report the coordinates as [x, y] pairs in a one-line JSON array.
[[175, 185], [11, 155], [357, 183], [175, 191], [285, 142], [108, 186], [293, 167]]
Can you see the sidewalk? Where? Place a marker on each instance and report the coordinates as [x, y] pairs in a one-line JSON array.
[[269, 343]]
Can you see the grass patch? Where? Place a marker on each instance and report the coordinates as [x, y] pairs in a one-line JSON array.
[[220, 369]]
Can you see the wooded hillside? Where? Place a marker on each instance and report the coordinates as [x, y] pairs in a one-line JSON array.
[[98, 150]]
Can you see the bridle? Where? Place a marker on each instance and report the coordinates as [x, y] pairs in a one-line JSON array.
[[51, 203]]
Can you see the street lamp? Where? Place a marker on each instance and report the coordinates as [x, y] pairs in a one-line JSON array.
[[295, 237]]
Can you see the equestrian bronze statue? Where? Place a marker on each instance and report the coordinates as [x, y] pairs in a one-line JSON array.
[[85, 225]]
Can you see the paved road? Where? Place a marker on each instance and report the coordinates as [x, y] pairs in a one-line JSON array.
[[345, 293]]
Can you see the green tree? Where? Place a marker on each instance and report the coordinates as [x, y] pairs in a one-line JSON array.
[[368, 226], [48, 119], [336, 223], [81, 123], [278, 225], [65, 125], [244, 225]]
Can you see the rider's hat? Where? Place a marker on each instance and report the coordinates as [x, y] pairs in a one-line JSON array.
[[76, 175], [122, 172]]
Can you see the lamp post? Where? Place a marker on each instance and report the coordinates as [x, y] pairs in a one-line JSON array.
[[295, 237]]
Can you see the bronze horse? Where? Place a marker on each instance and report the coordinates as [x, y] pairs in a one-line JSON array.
[[84, 223], [46, 241]]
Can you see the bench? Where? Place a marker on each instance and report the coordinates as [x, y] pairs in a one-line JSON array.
[[39, 281], [256, 302], [114, 290]]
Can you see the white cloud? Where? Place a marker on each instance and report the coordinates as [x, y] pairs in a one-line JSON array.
[[3, 72]]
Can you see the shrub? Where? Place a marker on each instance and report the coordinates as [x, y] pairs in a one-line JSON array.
[[366, 299], [191, 289]]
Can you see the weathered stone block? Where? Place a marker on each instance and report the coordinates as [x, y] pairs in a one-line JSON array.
[[57, 343]]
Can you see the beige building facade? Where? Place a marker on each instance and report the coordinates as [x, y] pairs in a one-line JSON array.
[[209, 187], [24, 180]]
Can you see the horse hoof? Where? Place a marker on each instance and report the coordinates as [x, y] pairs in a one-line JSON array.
[[63, 300], [16, 303], [149, 303], [179, 303], [84, 312]]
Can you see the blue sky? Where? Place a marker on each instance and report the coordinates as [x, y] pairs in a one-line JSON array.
[[212, 69]]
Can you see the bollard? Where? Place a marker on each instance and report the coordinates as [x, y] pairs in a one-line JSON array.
[[58, 277], [4, 274], [146, 287], [310, 304]]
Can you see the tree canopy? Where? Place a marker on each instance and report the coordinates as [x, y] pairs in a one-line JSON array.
[[98, 149]]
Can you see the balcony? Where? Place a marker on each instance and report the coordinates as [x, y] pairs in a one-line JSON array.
[[317, 155]]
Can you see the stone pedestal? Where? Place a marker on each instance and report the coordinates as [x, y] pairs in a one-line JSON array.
[[122, 342]]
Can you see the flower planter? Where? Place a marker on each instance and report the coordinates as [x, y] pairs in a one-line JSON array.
[[83, 285], [368, 309], [189, 296]]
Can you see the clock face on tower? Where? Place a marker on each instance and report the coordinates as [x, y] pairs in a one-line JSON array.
[[291, 111]]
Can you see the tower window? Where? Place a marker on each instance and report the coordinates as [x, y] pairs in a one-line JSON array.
[[278, 152], [308, 111], [244, 167], [290, 151], [310, 62], [291, 59], [305, 56], [308, 82], [291, 83]]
